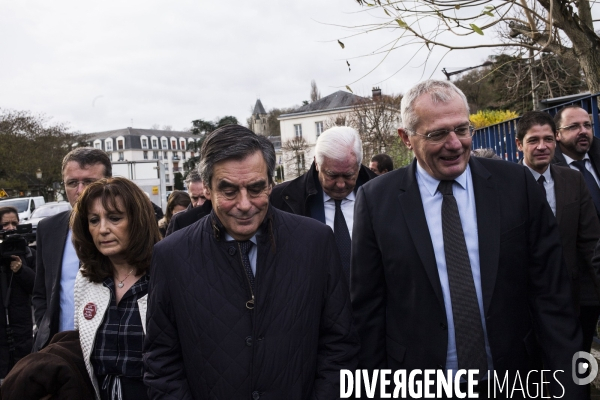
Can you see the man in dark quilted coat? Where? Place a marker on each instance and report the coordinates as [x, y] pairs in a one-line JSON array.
[[249, 302]]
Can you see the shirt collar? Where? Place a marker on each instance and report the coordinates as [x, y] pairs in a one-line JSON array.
[[350, 197], [431, 184], [228, 238], [536, 175], [569, 160]]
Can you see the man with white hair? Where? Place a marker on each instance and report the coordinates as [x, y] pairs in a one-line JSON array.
[[327, 191]]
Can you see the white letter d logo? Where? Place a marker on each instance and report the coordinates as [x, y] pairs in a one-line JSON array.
[[581, 367]]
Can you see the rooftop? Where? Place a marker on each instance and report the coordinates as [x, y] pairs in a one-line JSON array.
[[335, 101]]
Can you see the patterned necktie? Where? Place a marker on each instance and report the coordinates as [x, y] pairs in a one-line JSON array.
[[540, 182], [342, 237], [245, 247], [470, 344], [590, 182]]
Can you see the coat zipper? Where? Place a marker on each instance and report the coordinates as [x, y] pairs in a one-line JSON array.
[[249, 303]]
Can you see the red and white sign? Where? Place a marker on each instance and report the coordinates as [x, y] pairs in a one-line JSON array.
[[89, 311]]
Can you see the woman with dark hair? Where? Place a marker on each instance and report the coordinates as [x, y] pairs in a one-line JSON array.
[[178, 201], [16, 285], [114, 230]]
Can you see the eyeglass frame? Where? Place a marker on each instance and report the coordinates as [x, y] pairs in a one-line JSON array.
[[572, 127], [75, 184], [470, 129]]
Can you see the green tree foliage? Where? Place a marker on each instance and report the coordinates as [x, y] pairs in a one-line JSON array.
[[202, 128], [29, 142], [273, 126]]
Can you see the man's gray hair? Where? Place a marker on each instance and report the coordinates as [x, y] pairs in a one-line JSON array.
[[335, 142], [193, 176], [440, 92], [233, 142], [86, 156]]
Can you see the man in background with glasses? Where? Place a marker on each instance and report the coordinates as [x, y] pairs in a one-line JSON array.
[[57, 263], [456, 260], [577, 148]]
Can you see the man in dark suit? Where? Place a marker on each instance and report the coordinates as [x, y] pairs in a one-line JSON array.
[[456, 261], [328, 190], [577, 147], [198, 208], [57, 263]]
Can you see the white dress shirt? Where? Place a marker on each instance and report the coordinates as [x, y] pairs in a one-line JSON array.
[[432, 199], [548, 185], [347, 209]]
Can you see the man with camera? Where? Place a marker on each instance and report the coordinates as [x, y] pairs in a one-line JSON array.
[[17, 261]]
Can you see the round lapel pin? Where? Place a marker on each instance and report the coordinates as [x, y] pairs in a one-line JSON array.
[[89, 311]]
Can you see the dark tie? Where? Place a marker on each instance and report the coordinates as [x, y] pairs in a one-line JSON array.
[[540, 182], [245, 247], [590, 182], [342, 237], [470, 344]]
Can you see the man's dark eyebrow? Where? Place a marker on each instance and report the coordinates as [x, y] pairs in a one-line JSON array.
[[226, 185], [257, 185]]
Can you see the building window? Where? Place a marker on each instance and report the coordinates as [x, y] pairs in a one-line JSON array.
[[97, 145], [121, 156], [173, 144], [183, 153], [175, 167], [120, 144], [145, 155], [167, 179], [165, 156], [300, 164], [165, 144], [155, 143], [319, 127], [298, 130], [110, 156], [175, 156], [182, 144], [144, 143], [155, 155], [108, 145]]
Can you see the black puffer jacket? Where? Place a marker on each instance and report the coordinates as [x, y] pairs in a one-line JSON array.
[[19, 311], [202, 341]]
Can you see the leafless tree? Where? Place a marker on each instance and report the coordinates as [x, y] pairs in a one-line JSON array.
[[561, 27], [294, 156], [314, 91]]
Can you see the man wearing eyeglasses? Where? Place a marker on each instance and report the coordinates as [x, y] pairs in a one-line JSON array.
[[57, 263], [456, 260], [577, 148]]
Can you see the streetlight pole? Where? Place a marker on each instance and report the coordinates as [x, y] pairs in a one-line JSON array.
[[449, 74], [38, 175]]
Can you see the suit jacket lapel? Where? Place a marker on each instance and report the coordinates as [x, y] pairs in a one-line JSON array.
[[488, 227], [559, 195], [58, 243], [412, 209]]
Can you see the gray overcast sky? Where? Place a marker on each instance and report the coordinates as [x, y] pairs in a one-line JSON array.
[[100, 66]]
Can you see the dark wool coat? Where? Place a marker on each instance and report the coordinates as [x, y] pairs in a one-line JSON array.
[[19, 312], [299, 196], [57, 370], [203, 342]]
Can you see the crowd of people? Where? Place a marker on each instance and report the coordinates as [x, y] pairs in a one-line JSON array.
[[247, 289]]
